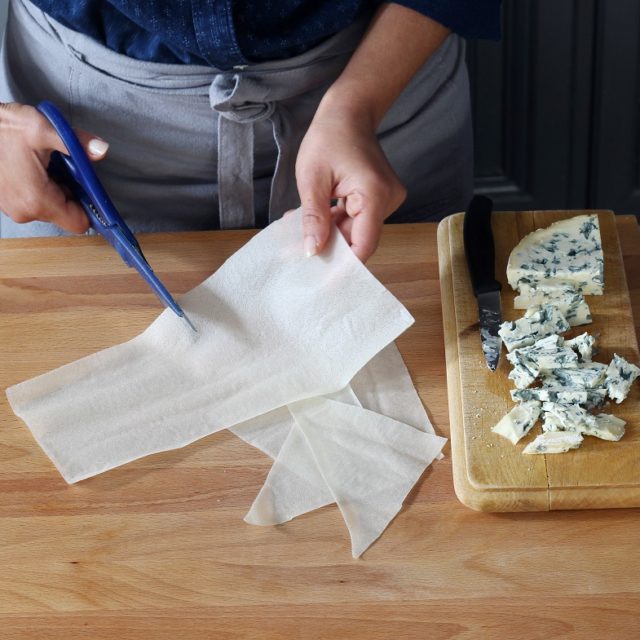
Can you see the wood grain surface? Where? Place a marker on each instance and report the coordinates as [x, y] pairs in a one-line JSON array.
[[491, 473], [158, 550]]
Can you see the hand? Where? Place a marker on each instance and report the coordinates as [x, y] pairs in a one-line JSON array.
[[340, 158], [26, 191]]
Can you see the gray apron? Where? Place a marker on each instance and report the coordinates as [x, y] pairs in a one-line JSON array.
[[194, 147]]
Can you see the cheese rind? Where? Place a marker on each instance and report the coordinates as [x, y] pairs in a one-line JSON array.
[[567, 252]]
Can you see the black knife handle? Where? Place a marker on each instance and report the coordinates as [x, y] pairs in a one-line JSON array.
[[478, 245]]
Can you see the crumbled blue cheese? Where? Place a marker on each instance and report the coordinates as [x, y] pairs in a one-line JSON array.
[[583, 345], [620, 377], [550, 394], [539, 394], [570, 417], [519, 421], [542, 322], [609, 427], [551, 422], [553, 269], [554, 442], [545, 355], [567, 252], [588, 375], [595, 398], [522, 376], [569, 301]]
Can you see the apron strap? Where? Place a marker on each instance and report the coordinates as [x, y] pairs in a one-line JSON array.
[[235, 174], [284, 192], [237, 100]]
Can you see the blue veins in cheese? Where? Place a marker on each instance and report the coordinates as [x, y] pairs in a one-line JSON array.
[[573, 418], [540, 323], [587, 375], [567, 252], [519, 421], [553, 269], [619, 378], [595, 398], [554, 442], [546, 354], [583, 345], [570, 418], [551, 394], [522, 376], [566, 297], [588, 398]]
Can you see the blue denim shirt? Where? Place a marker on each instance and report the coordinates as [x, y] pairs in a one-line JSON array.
[[225, 33]]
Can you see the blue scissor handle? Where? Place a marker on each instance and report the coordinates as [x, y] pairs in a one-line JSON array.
[[76, 172], [62, 170]]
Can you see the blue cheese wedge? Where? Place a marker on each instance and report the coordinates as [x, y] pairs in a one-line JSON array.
[[542, 322], [554, 442], [620, 376], [583, 345], [566, 252], [519, 421], [566, 297]]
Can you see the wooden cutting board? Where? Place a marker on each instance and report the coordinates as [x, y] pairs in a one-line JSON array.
[[490, 473]]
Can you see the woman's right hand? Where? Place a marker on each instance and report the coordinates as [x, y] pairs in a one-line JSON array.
[[27, 193]]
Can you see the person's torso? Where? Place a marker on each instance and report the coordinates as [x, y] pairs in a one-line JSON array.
[[218, 33]]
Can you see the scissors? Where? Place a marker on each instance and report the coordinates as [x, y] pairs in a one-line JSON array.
[[75, 172]]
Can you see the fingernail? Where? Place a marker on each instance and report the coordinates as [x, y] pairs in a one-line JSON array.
[[310, 246], [98, 147]]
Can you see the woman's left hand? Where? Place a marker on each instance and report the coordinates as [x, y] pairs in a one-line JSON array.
[[340, 159]]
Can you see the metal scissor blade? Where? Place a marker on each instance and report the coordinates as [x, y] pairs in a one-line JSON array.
[[186, 319], [133, 256], [490, 319]]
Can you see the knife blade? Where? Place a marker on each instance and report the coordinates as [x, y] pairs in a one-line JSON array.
[[480, 253]]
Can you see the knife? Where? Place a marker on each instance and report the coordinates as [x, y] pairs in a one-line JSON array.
[[480, 252]]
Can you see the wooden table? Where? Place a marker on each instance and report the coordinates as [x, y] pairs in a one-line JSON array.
[[158, 549]]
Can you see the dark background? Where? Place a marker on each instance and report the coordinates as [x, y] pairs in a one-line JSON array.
[[555, 106]]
